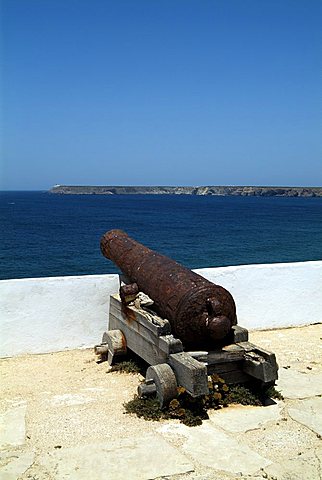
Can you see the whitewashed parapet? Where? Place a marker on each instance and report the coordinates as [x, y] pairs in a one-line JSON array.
[[39, 315], [273, 295]]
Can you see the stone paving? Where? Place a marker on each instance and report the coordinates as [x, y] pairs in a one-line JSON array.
[[62, 418]]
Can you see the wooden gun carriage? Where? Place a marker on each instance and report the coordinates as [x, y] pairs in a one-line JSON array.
[[144, 332], [190, 333]]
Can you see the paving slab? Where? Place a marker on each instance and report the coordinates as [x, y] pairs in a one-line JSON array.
[[74, 404], [69, 399], [13, 427], [304, 467], [213, 448], [18, 464], [294, 384], [281, 440], [173, 430], [238, 418], [309, 413], [138, 458]]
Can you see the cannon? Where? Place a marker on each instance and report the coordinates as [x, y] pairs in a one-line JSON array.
[[199, 311], [188, 333]]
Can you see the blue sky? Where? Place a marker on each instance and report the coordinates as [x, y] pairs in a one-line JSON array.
[[161, 92]]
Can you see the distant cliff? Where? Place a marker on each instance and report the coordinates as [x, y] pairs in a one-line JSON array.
[[211, 190]]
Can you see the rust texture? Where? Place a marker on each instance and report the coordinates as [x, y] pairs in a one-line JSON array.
[[128, 292], [200, 312]]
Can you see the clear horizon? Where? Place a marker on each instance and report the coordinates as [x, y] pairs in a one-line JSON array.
[[166, 93]]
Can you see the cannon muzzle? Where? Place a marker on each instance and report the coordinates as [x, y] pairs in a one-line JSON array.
[[200, 312]]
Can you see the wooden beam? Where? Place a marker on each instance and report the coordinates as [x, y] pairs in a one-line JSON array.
[[190, 374], [152, 322]]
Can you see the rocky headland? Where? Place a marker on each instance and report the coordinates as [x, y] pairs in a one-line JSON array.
[[206, 190]]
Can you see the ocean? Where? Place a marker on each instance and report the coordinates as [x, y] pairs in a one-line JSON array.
[[52, 235]]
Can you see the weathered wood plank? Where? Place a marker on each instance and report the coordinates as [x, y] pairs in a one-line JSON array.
[[142, 347], [145, 348], [237, 376], [233, 347], [190, 374], [240, 334], [114, 322], [197, 354], [170, 344], [246, 346], [231, 372], [258, 367], [136, 327], [221, 356], [254, 362], [165, 343], [225, 367], [153, 322], [116, 342], [265, 354], [259, 363]]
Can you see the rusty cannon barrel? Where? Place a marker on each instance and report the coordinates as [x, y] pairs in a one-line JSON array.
[[199, 311]]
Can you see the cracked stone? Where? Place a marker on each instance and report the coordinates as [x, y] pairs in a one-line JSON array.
[[309, 413], [215, 449], [13, 427], [306, 466], [238, 418], [141, 458], [16, 467], [294, 384]]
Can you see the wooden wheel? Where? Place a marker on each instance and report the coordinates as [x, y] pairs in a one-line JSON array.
[[165, 382], [116, 344]]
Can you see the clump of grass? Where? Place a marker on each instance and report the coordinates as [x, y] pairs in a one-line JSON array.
[[221, 395], [242, 395], [128, 366], [148, 408], [131, 364], [192, 411], [271, 392], [188, 410]]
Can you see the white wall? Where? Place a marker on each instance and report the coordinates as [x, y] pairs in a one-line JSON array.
[[40, 315], [273, 295]]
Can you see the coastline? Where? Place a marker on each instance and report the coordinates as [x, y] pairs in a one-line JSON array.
[[244, 191]]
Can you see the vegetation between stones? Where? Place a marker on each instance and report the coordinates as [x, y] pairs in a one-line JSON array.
[[129, 366], [191, 411]]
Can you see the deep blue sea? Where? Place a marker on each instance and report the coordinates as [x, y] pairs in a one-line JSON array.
[[51, 235]]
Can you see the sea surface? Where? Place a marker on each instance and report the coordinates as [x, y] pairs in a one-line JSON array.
[[51, 235]]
